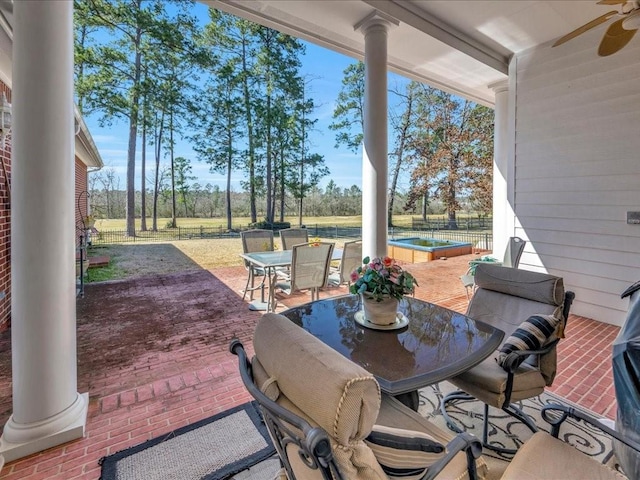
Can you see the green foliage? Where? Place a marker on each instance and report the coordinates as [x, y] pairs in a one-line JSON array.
[[271, 225], [348, 114], [102, 274], [380, 278]]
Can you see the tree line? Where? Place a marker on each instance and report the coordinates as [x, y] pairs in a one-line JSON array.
[[235, 91]]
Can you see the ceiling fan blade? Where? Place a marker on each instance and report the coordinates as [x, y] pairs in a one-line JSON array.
[[587, 26], [611, 2], [615, 38]]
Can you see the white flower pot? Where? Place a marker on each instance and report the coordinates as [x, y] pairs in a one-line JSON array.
[[381, 313]]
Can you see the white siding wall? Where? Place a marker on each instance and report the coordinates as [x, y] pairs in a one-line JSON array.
[[577, 170]]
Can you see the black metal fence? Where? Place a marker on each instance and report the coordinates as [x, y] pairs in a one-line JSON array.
[[443, 223], [481, 240]]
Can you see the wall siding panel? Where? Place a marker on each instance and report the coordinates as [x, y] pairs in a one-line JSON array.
[[577, 170]]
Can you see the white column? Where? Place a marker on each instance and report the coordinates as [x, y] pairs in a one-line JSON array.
[[47, 409], [374, 152], [502, 211]]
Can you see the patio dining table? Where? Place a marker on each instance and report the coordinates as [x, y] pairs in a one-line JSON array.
[[269, 261], [434, 345]]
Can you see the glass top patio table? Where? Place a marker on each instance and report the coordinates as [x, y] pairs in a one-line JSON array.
[[437, 344]]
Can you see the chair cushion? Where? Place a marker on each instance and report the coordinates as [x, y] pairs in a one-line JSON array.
[[544, 456], [326, 389], [487, 381], [267, 385], [404, 453], [397, 415], [338, 395], [532, 334], [535, 286]]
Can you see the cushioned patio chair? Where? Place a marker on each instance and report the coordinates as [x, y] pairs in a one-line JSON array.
[[545, 456], [511, 258], [351, 259], [328, 420], [310, 265], [293, 236], [532, 309], [255, 241]]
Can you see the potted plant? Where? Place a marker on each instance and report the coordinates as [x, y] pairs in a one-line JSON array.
[[89, 221], [381, 283]]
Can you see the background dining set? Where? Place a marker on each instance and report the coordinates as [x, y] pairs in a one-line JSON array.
[[301, 264]]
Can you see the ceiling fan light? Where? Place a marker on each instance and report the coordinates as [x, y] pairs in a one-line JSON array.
[[632, 22]]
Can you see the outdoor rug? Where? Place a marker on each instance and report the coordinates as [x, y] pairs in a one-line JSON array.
[[225, 446], [508, 432], [215, 448]]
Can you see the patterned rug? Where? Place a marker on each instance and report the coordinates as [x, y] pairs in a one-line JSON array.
[[508, 432], [215, 448], [234, 445]]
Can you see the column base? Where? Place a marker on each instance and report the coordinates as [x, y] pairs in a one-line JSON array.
[[40, 435]]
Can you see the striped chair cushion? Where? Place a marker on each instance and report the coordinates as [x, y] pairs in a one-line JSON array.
[[532, 334], [404, 454]]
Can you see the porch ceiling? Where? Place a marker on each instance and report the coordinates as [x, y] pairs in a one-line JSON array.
[[460, 46]]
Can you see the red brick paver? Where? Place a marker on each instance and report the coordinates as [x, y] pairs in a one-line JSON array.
[[153, 355]]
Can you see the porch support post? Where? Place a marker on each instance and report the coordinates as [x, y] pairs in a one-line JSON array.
[[47, 409], [374, 152], [502, 211]]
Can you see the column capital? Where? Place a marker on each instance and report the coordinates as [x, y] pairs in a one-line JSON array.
[[376, 19], [500, 86]]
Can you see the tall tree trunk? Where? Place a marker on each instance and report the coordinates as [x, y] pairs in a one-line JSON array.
[[425, 202], [282, 184], [301, 191], [133, 133], [143, 182], [156, 186], [143, 165], [404, 132], [229, 168], [174, 223], [269, 172], [250, 139], [228, 192]]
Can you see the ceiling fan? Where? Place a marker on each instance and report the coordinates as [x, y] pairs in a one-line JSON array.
[[619, 33]]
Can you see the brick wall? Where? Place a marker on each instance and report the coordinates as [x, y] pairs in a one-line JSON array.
[[81, 202], [5, 227]]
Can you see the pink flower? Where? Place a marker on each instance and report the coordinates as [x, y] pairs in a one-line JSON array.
[[387, 261], [354, 276]]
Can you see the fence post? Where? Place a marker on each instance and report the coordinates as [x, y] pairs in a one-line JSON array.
[[179, 233]]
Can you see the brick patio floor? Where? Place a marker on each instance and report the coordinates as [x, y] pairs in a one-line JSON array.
[[152, 353]]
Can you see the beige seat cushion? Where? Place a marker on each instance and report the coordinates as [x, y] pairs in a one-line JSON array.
[[487, 381], [546, 457], [333, 392], [395, 414]]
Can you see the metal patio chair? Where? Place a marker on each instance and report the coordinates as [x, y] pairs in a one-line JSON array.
[[351, 259], [293, 236], [511, 258], [532, 309], [328, 420], [255, 241], [310, 265]]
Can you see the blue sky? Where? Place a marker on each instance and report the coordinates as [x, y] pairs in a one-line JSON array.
[[322, 67]]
